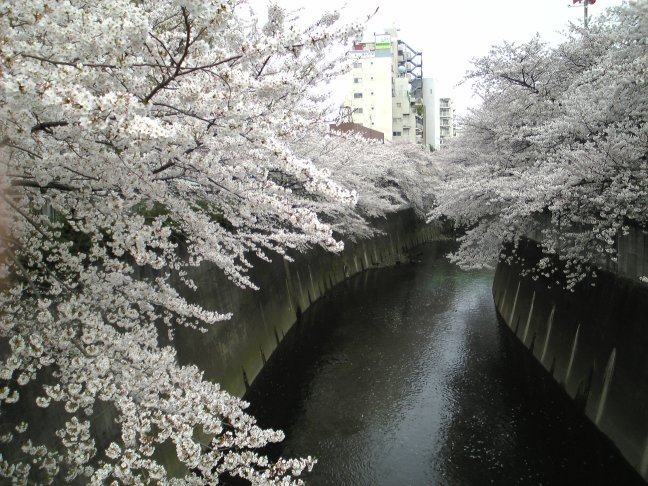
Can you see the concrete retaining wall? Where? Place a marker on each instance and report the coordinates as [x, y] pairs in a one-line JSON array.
[[594, 341], [233, 352]]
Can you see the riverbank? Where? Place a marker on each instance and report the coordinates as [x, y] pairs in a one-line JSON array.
[[233, 352], [404, 375], [591, 341]]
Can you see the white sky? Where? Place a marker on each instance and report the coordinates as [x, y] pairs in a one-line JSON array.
[[450, 33]]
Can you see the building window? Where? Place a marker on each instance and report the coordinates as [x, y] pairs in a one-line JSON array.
[[396, 134], [357, 95], [399, 104], [357, 64], [358, 110], [357, 80]]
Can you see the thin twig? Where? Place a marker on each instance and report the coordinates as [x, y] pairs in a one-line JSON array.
[[26, 216], [68, 63]]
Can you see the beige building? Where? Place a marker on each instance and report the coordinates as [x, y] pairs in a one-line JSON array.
[[370, 84], [387, 91]]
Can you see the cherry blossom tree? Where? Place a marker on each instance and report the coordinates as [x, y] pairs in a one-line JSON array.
[[164, 135], [557, 149], [386, 178]]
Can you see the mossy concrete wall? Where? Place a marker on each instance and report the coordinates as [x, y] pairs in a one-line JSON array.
[[233, 352], [593, 341]]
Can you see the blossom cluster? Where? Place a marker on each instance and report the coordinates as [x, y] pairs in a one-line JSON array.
[[141, 140], [557, 150]]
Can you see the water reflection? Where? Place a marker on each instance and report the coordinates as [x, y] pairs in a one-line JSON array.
[[404, 376]]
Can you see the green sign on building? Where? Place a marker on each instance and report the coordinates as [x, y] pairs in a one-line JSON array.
[[383, 42]]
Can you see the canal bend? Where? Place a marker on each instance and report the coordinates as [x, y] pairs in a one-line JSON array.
[[404, 376]]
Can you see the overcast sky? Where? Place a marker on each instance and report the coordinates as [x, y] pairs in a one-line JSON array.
[[450, 33]]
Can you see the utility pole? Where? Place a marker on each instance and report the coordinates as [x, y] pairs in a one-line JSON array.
[[584, 3]]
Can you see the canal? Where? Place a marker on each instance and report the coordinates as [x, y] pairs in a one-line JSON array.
[[404, 376]]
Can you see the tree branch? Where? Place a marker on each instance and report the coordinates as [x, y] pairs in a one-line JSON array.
[[258, 75], [187, 43], [51, 185], [47, 126], [68, 63], [26, 216], [164, 167], [35, 155]]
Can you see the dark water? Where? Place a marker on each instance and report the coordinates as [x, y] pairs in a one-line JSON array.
[[404, 376]]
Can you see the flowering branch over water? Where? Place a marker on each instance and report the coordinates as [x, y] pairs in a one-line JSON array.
[[155, 135], [557, 150]]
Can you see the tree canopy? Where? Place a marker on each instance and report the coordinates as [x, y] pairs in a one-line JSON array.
[[558, 148], [161, 134]]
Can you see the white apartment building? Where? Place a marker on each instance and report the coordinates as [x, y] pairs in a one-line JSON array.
[[446, 120], [370, 87], [387, 91]]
